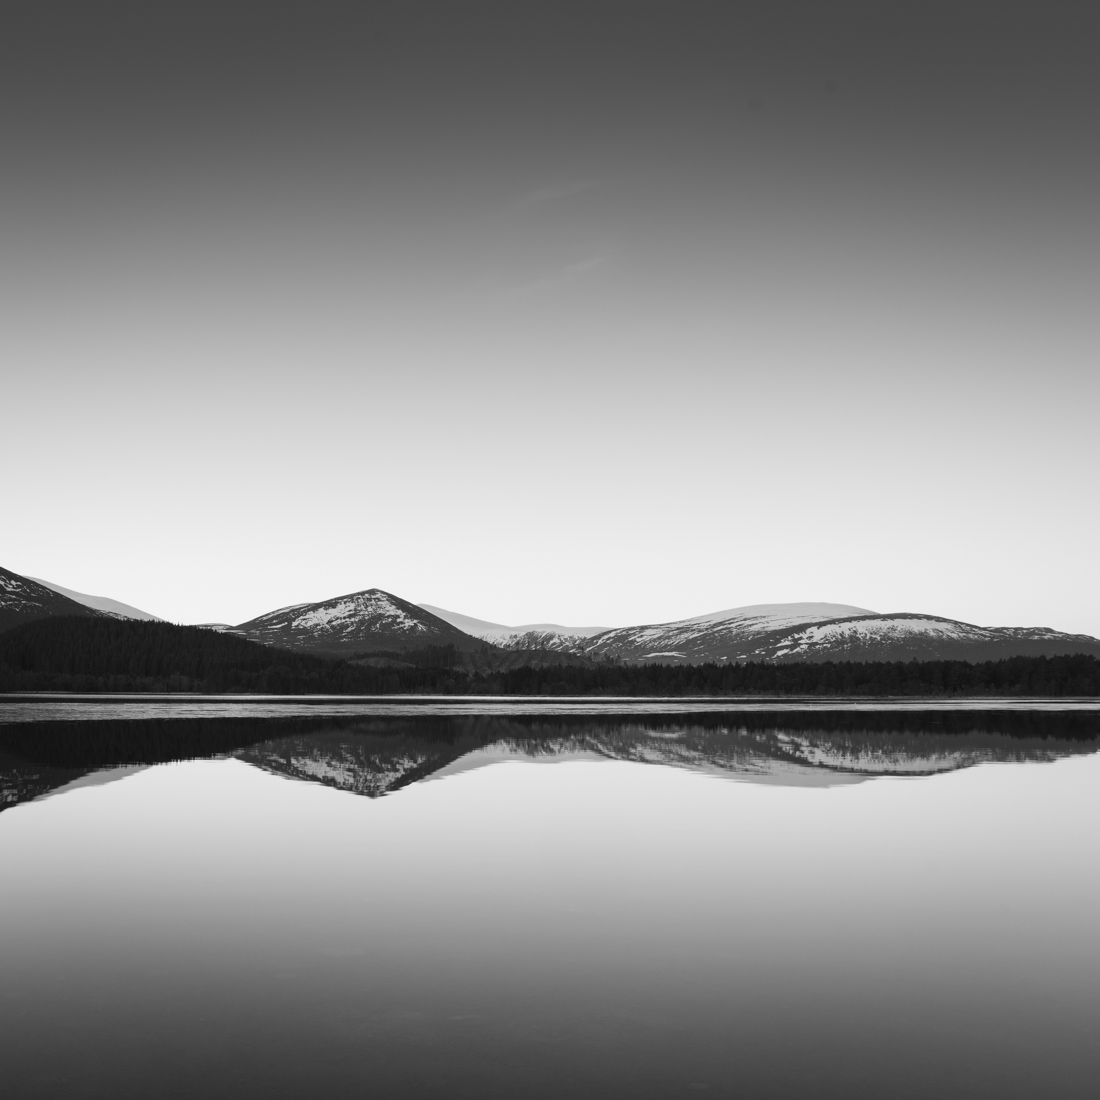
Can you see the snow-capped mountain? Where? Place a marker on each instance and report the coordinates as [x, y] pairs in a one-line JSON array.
[[785, 632], [23, 600], [361, 622], [373, 621], [908, 637], [719, 635], [827, 632], [531, 636], [101, 603]]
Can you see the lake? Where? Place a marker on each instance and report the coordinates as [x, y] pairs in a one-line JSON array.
[[521, 899]]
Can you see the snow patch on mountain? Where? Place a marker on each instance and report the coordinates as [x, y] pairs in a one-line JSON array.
[[350, 609], [704, 637], [889, 630], [342, 615], [908, 636], [371, 620], [16, 593]]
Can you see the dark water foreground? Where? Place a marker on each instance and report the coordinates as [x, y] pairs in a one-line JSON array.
[[880, 903]]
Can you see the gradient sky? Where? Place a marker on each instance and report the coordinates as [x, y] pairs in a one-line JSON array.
[[591, 314]]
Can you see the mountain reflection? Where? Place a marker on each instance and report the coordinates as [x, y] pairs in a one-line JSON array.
[[377, 756]]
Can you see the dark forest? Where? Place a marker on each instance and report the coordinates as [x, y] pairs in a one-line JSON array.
[[114, 655]]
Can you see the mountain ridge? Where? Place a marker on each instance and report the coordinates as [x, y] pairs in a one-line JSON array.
[[757, 632], [373, 621], [550, 636], [718, 635], [915, 636], [101, 603], [23, 600]]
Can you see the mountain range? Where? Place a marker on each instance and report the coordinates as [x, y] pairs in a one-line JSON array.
[[375, 622]]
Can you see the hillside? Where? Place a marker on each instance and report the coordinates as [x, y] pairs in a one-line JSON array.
[[23, 600], [787, 633], [827, 632], [361, 622], [100, 603], [909, 637], [718, 636], [532, 636], [101, 653]]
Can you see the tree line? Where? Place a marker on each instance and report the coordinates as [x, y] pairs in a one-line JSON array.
[[86, 654]]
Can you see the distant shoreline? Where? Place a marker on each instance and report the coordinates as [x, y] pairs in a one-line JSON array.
[[576, 703]]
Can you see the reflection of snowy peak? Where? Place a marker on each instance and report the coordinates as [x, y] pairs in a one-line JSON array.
[[365, 621], [720, 635], [839, 755], [374, 756], [374, 764], [362, 765]]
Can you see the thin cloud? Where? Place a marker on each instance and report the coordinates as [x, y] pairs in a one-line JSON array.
[[553, 192], [563, 274]]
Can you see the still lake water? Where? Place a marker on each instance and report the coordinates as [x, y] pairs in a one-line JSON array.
[[538, 902]]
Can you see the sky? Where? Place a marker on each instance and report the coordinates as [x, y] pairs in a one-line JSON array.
[[597, 314]]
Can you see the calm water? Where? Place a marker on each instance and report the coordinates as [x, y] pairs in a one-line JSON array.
[[813, 902]]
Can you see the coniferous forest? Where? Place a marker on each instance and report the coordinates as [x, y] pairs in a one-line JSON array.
[[88, 654]]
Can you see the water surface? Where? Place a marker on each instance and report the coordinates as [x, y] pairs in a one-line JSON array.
[[816, 902]]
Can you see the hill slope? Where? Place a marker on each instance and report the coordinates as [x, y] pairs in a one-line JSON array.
[[361, 622], [106, 653], [909, 637], [23, 600], [532, 636], [101, 603], [827, 632], [718, 636]]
